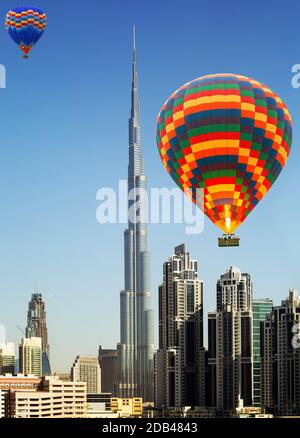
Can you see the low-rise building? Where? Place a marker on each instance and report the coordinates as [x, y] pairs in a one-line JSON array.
[[99, 406], [127, 407], [183, 412], [19, 382], [52, 398], [65, 377], [251, 412], [104, 406]]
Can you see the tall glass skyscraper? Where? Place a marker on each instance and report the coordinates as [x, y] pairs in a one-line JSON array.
[[280, 358], [180, 360], [135, 350], [260, 308], [230, 343], [37, 328]]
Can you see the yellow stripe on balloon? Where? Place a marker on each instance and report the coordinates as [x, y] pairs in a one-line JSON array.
[[252, 161], [258, 170], [260, 116], [211, 144], [287, 114], [211, 99], [190, 158], [283, 153], [248, 106], [270, 127], [277, 139], [244, 152], [170, 127], [221, 188], [262, 189], [165, 139], [163, 151], [178, 115]]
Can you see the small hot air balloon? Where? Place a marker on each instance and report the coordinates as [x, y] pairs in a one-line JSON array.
[[26, 25], [230, 136]]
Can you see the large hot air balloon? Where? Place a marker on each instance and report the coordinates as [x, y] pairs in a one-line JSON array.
[[229, 135], [26, 25]]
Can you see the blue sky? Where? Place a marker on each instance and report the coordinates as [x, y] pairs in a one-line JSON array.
[[64, 121]]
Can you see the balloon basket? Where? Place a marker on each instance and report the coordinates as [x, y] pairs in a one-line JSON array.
[[25, 56], [228, 240]]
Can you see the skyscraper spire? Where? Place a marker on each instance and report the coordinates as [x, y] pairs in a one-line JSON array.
[[135, 350], [134, 54], [134, 121]]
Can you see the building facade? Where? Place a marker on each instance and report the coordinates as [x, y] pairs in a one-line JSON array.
[[2, 404], [98, 405], [211, 376], [230, 363], [135, 350], [260, 309], [37, 327], [65, 377], [11, 383], [30, 356], [127, 407], [108, 364], [19, 382], [87, 369], [180, 360], [52, 399], [7, 358], [280, 358]]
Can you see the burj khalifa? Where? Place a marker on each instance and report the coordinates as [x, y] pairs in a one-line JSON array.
[[136, 347]]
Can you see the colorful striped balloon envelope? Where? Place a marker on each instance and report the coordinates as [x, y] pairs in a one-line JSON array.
[[228, 135], [26, 25]]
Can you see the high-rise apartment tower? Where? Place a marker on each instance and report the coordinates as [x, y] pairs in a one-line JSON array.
[[180, 360]]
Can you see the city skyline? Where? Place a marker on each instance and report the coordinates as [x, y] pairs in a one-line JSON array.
[[217, 381], [261, 303], [57, 234]]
